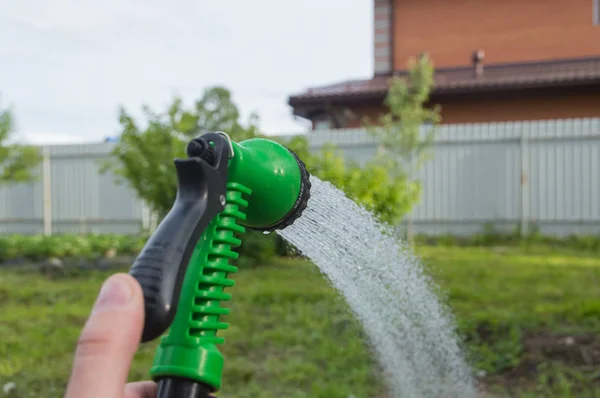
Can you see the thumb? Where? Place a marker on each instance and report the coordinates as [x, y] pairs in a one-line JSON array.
[[108, 341]]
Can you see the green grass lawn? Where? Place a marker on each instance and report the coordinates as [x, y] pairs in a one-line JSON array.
[[530, 319]]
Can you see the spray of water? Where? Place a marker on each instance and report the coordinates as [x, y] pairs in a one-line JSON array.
[[383, 283]]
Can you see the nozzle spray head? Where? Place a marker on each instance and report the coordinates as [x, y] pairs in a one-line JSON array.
[[278, 179], [222, 186], [280, 189]]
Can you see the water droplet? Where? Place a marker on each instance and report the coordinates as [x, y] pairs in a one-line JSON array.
[[386, 288]]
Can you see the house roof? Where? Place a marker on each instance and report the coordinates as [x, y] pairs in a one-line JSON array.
[[462, 80]]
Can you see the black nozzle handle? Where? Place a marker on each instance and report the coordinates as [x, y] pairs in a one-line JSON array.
[[160, 267]]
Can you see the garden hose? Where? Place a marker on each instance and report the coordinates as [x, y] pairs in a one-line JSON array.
[[223, 188]]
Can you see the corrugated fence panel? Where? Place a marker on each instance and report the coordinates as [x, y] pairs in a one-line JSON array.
[[565, 185], [543, 174], [467, 186], [86, 200], [355, 144], [490, 174], [21, 207]]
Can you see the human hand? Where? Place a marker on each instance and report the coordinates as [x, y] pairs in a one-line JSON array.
[[108, 342]]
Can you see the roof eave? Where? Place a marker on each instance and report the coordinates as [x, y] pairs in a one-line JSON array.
[[446, 92]]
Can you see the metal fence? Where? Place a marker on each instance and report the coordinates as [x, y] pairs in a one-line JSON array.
[[511, 175], [543, 174], [71, 195]]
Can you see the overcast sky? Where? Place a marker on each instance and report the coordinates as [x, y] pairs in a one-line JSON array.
[[66, 65]]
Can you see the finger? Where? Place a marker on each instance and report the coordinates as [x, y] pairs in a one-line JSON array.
[[108, 341], [142, 389]]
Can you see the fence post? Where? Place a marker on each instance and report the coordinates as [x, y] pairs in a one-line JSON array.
[[47, 190], [524, 144]]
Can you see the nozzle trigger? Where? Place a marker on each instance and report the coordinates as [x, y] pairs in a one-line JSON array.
[[161, 265]]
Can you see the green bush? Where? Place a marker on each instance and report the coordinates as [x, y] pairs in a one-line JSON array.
[[256, 248], [492, 238], [285, 249], [41, 247], [387, 196]]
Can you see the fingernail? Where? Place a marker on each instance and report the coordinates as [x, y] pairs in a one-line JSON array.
[[116, 292]]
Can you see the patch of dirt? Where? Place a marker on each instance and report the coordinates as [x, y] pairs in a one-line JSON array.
[[574, 350], [542, 348], [577, 353], [571, 350], [573, 353]]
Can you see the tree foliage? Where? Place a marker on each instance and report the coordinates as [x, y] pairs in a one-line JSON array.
[[385, 184], [405, 133], [407, 129], [389, 197], [144, 154], [17, 162]]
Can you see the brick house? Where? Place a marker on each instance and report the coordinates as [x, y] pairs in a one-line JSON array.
[[495, 61]]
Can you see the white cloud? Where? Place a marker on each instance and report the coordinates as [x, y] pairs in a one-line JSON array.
[[68, 64]]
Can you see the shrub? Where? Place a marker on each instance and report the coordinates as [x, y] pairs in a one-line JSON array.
[[41, 247], [491, 238], [256, 248]]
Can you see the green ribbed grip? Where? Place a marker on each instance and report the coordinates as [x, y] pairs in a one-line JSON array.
[[189, 349]]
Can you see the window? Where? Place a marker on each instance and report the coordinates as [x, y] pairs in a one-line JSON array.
[[596, 11]]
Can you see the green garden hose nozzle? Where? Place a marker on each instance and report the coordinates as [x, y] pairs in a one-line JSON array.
[[183, 269]]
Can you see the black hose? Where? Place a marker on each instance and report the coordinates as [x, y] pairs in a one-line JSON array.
[[174, 387]]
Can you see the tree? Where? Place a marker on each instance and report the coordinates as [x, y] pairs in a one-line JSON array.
[[17, 162], [408, 128], [406, 131], [385, 185], [387, 196], [144, 155]]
